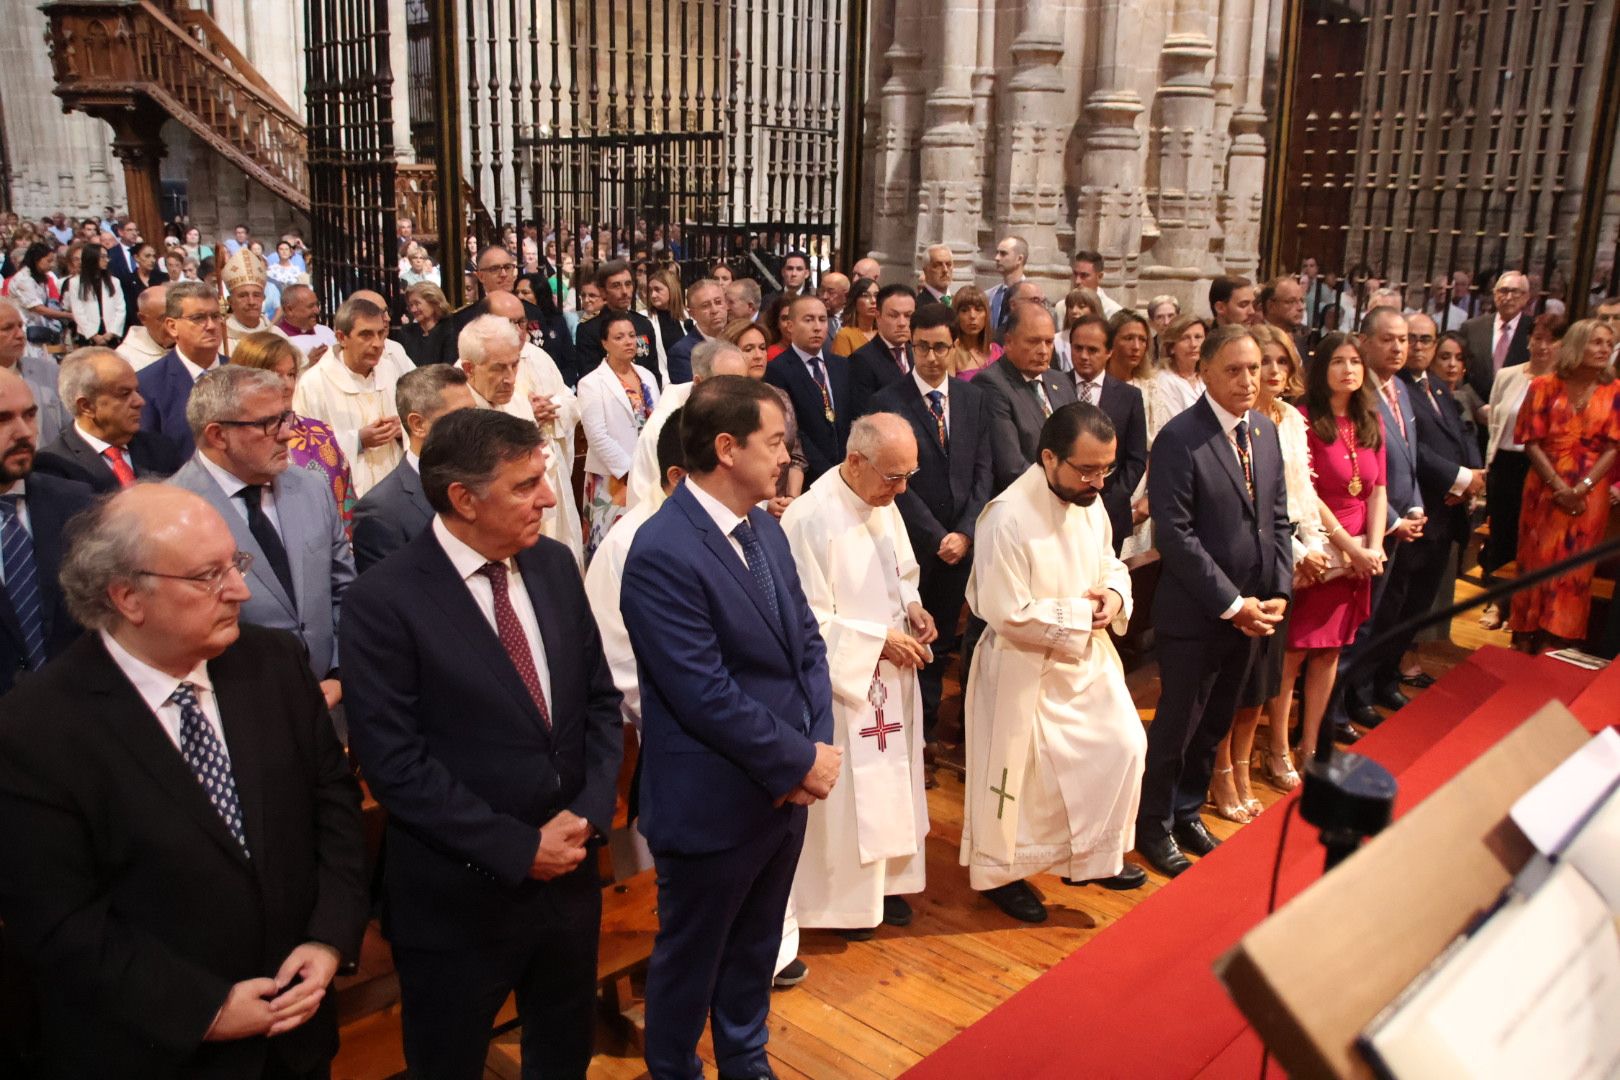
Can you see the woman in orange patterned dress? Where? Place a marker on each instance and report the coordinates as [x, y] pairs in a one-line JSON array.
[[1570, 431], [314, 445]]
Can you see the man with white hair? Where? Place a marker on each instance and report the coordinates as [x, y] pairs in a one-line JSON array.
[[938, 265], [863, 846], [644, 483], [1500, 340], [491, 351], [351, 389], [743, 299], [104, 446], [149, 339], [38, 372], [833, 288]]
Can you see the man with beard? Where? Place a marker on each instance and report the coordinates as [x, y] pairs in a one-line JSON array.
[[34, 510], [1054, 745]]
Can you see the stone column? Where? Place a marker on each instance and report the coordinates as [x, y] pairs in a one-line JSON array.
[[1244, 190], [139, 147], [1108, 212], [1186, 205], [950, 196], [1029, 165], [894, 225], [984, 88]]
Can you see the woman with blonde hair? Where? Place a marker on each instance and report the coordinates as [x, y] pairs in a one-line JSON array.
[[974, 349], [314, 445], [749, 336], [666, 307], [430, 336]]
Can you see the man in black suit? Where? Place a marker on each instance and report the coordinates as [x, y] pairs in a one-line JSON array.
[[818, 383], [1090, 341], [104, 447], [183, 867], [1220, 518], [484, 716], [395, 511], [951, 421], [618, 287], [1500, 340], [886, 359], [706, 304], [35, 624], [121, 256], [1023, 391]]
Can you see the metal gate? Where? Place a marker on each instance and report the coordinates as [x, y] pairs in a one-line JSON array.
[[1428, 145], [349, 104], [693, 129]]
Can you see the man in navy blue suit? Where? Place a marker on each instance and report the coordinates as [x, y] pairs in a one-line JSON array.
[[817, 381], [1220, 517], [484, 716], [736, 714], [941, 504], [192, 316], [886, 359], [1091, 339]]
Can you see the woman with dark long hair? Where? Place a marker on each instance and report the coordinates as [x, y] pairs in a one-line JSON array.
[[1346, 439], [96, 299], [860, 318]]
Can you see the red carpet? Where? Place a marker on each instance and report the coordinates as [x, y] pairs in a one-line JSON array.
[[1142, 1000]]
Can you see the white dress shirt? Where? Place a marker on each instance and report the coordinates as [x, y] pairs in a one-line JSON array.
[[155, 688], [720, 514], [1096, 388], [232, 487], [101, 447], [944, 389], [467, 563], [192, 369]]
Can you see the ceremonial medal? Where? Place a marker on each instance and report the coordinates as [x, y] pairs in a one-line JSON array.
[[1354, 486]]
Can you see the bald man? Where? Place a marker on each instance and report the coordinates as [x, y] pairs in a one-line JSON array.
[[149, 339], [868, 268]]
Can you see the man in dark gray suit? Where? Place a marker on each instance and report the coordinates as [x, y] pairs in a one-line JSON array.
[[1499, 340], [393, 512], [1023, 391], [285, 518], [104, 446], [1220, 516]]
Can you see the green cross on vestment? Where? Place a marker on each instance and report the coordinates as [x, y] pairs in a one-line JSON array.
[[1002, 794]]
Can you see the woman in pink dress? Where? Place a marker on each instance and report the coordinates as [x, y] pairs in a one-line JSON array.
[[1346, 439]]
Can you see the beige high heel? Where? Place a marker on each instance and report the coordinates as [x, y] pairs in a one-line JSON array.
[[1251, 805], [1232, 811]]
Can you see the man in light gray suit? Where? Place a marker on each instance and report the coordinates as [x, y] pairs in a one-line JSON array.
[[285, 518], [393, 512]]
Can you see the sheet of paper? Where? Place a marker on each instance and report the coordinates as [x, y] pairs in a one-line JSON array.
[[1550, 812], [1596, 853], [1534, 993]]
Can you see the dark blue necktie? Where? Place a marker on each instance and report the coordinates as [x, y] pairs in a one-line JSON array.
[[206, 759], [22, 580], [754, 555], [936, 405]]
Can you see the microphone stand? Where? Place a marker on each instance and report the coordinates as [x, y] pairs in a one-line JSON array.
[[1350, 797]]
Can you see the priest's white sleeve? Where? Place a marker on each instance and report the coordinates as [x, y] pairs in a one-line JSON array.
[[853, 645], [1000, 593]]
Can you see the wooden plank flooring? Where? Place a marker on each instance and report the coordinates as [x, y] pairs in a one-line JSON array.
[[872, 1009]]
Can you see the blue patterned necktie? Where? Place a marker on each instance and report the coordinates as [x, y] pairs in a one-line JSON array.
[[936, 405], [206, 759], [22, 580], [754, 555]]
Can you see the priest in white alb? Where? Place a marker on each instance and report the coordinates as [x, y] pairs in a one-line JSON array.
[[863, 845], [1054, 744], [509, 373], [351, 389]]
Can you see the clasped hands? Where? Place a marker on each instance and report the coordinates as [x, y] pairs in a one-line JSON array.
[[909, 650], [818, 782], [1260, 618], [272, 1007]]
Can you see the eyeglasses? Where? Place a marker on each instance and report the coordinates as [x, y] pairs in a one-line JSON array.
[[269, 425], [899, 478], [1090, 474], [203, 319], [923, 348], [212, 581], [499, 268]]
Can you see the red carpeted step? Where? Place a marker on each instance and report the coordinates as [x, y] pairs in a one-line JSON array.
[[1598, 706]]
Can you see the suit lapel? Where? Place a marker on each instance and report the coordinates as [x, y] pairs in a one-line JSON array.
[[411, 485], [1221, 446], [262, 578], [238, 715], [721, 548], [552, 635], [86, 456], [297, 522]]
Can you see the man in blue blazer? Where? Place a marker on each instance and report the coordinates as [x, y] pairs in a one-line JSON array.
[[192, 315], [1220, 517], [706, 305], [941, 504], [396, 510], [736, 711], [817, 381], [485, 719], [1384, 348]]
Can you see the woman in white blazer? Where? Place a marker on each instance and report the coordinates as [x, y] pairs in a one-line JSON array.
[[96, 299], [615, 400]]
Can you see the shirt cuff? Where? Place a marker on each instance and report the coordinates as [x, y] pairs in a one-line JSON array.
[[1465, 476], [1233, 608]]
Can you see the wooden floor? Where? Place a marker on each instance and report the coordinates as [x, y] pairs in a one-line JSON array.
[[874, 1008]]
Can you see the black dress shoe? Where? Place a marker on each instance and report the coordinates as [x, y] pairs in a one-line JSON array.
[[896, 912], [791, 975], [1164, 855], [766, 1075], [1192, 837], [1132, 877], [1389, 697], [1421, 681], [1367, 716], [859, 933], [1346, 735], [1018, 900]]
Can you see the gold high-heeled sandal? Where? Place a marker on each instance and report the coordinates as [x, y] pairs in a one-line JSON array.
[[1229, 811]]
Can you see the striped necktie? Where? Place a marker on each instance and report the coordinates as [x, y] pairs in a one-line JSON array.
[[22, 580]]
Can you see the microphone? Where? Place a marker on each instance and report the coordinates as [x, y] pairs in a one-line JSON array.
[[1350, 797]]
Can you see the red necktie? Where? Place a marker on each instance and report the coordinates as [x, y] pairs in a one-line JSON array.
[[120, 467], [513, 639], [900, 358]]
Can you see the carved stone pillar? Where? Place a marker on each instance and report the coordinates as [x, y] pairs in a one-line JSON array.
[[139, 148], [1108, 212], [950, 196], [1186, 203], [1030, 170], [894, 163], [984, 89]]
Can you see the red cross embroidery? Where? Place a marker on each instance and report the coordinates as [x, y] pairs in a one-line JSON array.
[[877, 695]]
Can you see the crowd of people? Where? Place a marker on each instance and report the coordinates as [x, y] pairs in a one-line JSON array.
[[251, 559]]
